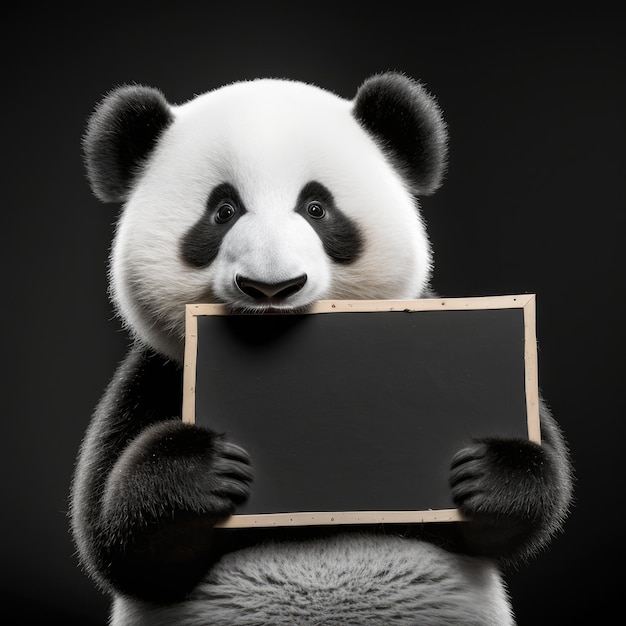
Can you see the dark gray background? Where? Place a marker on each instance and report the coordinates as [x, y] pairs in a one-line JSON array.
[[533, 202]]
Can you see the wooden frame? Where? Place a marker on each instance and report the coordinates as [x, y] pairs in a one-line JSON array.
[[525, 303]]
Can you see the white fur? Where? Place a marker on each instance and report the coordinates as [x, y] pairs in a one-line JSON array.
[[268, 138], [349, 581]]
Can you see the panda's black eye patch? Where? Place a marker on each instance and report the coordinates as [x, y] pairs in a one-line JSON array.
[[340, 236], [224, 207], [316, 210]]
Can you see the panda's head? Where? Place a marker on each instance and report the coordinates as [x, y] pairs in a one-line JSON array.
[[266, 195]]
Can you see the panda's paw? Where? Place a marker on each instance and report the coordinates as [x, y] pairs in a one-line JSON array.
[[176, 467], [229, 476], [506, 488], [499, 477], [163, 499], [213, 475]]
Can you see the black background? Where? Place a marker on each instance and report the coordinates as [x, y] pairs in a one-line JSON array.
[[533, 202]]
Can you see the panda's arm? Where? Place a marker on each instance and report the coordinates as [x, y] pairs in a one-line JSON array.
[[515, 493], [147, 488]]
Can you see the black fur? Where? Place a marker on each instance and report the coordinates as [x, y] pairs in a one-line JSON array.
[[515, 492], [202, 243], [408, 125], [122, 132], [148, 488], [340, 235]]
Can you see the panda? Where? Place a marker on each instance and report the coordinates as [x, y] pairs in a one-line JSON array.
[[268, 195]]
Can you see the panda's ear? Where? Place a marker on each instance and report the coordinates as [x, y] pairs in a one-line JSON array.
[[407, 123], [121, 133]]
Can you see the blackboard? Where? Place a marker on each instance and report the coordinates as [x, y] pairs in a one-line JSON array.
[[352, 411]]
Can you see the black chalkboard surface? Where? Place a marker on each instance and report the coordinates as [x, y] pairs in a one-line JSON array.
[[352, 411]]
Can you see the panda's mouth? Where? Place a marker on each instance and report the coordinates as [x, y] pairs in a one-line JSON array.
[[270, 306]]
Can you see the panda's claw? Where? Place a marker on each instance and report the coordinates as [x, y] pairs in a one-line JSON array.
[[231, 490], [233, 451], [229, 468]]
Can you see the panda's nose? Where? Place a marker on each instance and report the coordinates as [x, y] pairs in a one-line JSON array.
[[262, 291]]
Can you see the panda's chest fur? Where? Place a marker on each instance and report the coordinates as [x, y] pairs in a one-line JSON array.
[[339, 580]]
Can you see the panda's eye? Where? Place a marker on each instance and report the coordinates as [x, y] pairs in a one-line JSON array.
[[224, 213], [316, 210]]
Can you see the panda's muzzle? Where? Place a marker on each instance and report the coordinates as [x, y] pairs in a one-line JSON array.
[[260, 290]]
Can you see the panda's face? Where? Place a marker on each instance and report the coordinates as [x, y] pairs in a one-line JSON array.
[[266, 196]]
